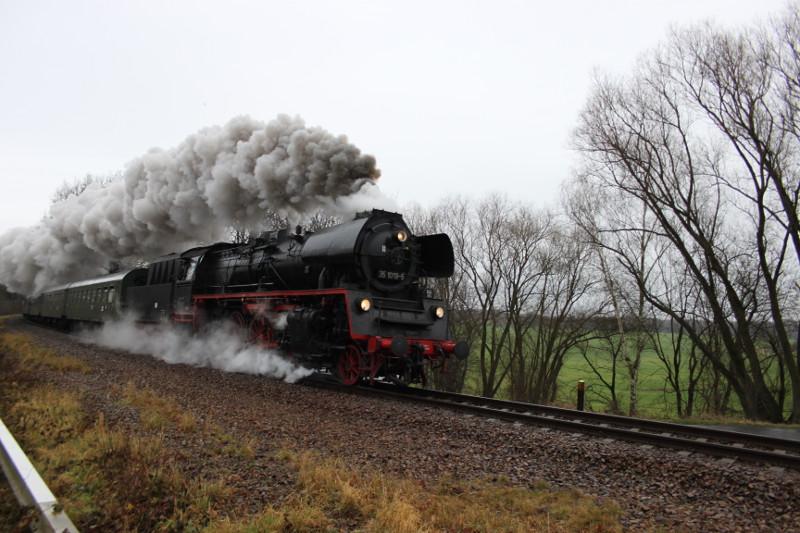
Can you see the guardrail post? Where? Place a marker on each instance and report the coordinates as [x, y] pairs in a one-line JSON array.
[[581, 394]]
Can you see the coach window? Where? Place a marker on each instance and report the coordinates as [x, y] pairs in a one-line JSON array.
[[111, 295]]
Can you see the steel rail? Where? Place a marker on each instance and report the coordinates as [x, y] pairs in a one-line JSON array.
[[718, 443], [29, 487], [655, 426]]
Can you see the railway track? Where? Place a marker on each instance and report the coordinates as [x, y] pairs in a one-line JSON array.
[[693, 439]]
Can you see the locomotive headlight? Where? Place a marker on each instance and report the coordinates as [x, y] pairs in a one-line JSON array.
[[365, 304], [438, 312], [401, 236]]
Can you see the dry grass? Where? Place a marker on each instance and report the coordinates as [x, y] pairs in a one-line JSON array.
[[47, 417], [109, 479], [33, 356], [157, 412], [105, 478], [297, 517], [226, 444], [332, 496]]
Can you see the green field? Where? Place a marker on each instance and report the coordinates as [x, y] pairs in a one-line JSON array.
[[656, 398], [653, 402]]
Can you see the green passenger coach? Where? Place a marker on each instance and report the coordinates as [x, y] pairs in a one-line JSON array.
[[92, 300]]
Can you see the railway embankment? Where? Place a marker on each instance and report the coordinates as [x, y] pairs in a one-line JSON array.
[[131, 442]]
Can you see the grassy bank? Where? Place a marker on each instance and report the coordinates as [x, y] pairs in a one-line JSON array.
[[132, 477], [331, 495]]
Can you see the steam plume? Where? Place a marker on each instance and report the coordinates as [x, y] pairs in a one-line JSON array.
[[219, 348], [169, 199]]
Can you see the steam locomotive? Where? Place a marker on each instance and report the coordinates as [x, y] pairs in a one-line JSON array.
[[350, 299]]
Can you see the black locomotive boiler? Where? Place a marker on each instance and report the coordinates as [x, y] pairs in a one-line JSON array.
[[351, 298]]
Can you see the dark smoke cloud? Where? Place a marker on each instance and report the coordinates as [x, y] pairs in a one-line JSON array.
[[168, 199]]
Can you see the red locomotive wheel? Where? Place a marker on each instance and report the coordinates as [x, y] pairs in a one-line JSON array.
[[349, 366], [238, 325], [261, 333]]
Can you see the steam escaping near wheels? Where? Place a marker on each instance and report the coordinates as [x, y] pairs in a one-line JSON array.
[[172, 199], [217, 347]]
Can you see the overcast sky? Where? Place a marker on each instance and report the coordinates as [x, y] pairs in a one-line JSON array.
[[451, 97]]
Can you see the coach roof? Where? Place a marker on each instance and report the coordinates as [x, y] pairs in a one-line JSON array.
[[108, 278]]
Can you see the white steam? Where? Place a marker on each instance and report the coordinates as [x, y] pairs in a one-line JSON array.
[[218, 348], [170, 199]]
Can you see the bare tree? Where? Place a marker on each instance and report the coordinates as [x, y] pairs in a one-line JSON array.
[[601, 354], [77, 186], [561, 312], [702, 137], [615, 226], [479, 234], [272, 220], [683, 362]]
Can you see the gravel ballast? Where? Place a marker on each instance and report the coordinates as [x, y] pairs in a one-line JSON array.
[[654, 487]]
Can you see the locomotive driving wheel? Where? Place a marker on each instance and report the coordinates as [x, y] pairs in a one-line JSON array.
[[238, 325], [261, 333], [349, 366]]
